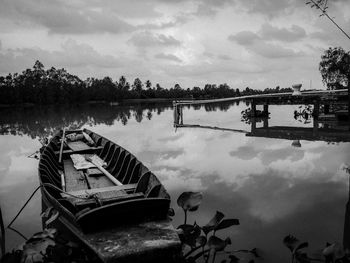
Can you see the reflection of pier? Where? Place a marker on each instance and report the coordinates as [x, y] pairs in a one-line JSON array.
[[328, 133], [207, 127], [315, 133]]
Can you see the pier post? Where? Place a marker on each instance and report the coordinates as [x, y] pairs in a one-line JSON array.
[[181, 115], [176, 115], [266, 109], [326, 109], [253, 108], [266, 122], [315, 126], [253, 125], [316, 111]]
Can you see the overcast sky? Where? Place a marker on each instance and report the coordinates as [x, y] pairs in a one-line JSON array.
[[255, 43]]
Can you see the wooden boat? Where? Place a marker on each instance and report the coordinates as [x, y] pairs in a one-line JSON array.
[[118, 210]]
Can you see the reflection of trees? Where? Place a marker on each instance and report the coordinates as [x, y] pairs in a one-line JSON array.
[[41, 122], [45, 121], [221, 106]]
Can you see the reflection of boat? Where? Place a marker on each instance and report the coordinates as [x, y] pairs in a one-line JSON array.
[[118, 210]]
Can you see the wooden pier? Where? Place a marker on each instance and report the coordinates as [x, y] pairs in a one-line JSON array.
[[324, 98], [335, 123]]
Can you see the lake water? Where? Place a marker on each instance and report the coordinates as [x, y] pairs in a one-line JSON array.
[[275, 187]]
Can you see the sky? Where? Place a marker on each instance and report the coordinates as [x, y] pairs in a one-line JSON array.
[[244, 43]]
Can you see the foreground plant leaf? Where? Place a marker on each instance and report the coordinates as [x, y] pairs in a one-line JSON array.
[[226, 223], [213, 222], [190, 201], [34, 250], [47, 212], [55, 214], [201, 241], [332, 252], [218, 244], [189, 234], [290, 242], [47, 233]]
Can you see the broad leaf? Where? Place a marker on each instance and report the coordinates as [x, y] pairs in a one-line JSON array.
[[47, 233], [201, 241], [171, 212], [47, 212], [333, 251], [189, 234], [34, 250], [301, 246], [217, 243], [55, 214], [213, 222], [190, 201], [226, 223], [290, 242]]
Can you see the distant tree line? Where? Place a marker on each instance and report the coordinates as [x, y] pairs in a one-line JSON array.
[[57, 86]]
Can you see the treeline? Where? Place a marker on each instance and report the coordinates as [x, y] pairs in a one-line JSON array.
[[57, 86]]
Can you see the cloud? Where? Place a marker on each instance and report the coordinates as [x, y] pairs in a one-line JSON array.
[[168, 57], [261, 46], [72, 54], [274, 51], [149, 39], [64, 17], [224, 57], [269, 8], [295, 33], [244, 38]]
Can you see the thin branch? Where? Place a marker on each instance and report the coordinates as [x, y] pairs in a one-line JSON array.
[[324, 12]]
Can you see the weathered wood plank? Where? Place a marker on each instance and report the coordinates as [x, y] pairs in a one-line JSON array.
[[75, 180], [108, 197], [78, 146], [99, 181], [71, 151], [125, 187]]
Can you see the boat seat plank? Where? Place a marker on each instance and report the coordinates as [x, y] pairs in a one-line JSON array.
[[78, 151], [78, 146], [107, 198], [99, 181], [125, 187], [75, 180]]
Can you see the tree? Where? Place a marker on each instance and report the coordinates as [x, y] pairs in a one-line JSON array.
[[137, 87], [148, 84], [335, 68]]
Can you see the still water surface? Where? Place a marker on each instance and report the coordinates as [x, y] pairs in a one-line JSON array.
[[272, 187]]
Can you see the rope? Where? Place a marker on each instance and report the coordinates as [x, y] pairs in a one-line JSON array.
[[25, 204], [95, 197], [31, 196]]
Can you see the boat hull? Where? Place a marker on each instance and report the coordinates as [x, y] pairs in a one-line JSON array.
[[153, 241], [131, 227]]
